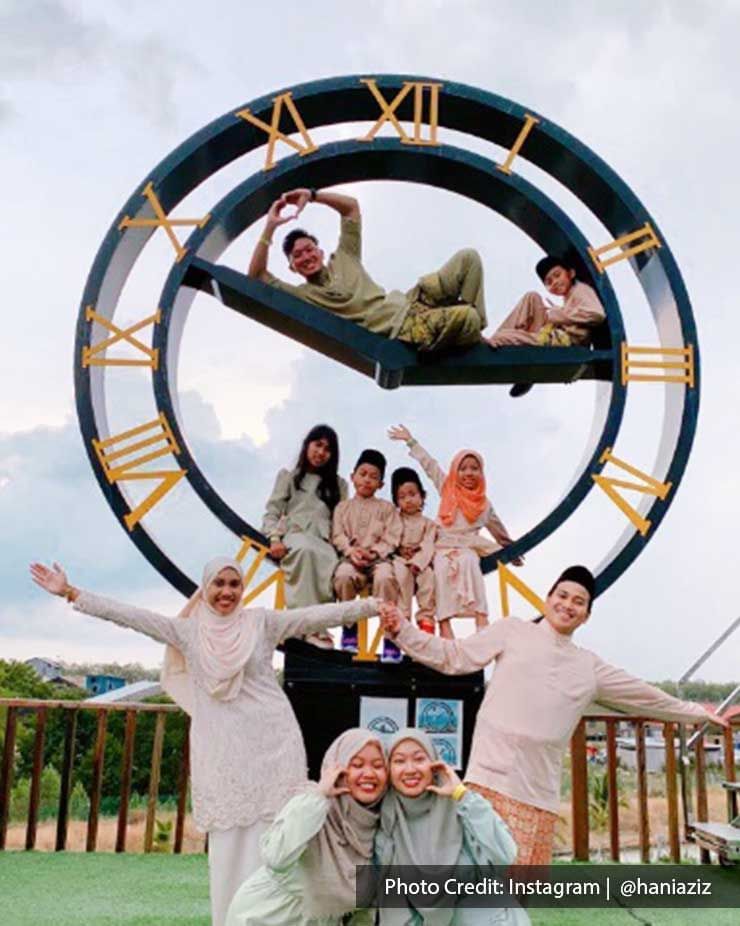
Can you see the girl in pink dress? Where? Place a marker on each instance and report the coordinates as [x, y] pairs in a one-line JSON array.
[[464, 509]]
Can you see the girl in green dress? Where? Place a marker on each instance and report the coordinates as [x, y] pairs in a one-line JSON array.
[[311, 850], [429, 818], [297, 522]]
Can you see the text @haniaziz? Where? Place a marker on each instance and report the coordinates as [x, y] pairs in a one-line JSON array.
[[679, 886]]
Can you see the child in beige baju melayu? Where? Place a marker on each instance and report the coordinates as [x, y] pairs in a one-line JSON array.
[[535, 323], [412, 564], [366, 530]]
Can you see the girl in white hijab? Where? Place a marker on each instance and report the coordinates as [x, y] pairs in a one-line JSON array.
[[311, 850], [429, 819], [246, 750]]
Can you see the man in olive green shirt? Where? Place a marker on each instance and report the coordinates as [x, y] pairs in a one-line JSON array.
[[445, 309]]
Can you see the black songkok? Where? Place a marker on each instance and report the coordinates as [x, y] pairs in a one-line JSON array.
[[581, 576], [544, 266], [400, 477], [374, 458]]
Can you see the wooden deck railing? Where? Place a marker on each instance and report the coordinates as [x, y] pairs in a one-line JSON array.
[[580, 789], [578, 755], [72, 710]]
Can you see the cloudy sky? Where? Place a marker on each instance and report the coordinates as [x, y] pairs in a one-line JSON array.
[[92, 96]]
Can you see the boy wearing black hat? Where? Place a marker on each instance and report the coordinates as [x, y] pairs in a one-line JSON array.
[[412, 565], [365, 530], [534, 323]]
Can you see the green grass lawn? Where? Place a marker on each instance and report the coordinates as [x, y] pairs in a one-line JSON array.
[[76, 889], [102, 889]]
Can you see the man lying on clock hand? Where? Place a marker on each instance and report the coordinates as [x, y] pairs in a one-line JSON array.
[[445, 309]]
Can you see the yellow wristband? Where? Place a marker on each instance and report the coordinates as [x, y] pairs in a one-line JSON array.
[[266, 241], [458, 792]]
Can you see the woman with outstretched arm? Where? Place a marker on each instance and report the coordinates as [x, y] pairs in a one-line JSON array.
[[246, 750]]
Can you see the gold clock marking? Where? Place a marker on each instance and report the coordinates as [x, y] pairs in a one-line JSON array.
[[677, 364], [277, 578], [647, 486], [273, 129], [364, 652], [529, 123], [507, 578], [158, 442], [642, 239], [162, 221], [96, 356], [388, 111]]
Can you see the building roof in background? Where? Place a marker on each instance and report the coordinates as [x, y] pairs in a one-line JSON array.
[[136, 691]]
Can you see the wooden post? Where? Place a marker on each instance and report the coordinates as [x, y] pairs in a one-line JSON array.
[[611, 773], [729, 765], [702, 804], [579, 793], [97, 781], [182, 789], [643, 821], [38, 767], [126, 766], [65, 790], [671, 790], [6, 773], [154, 775]]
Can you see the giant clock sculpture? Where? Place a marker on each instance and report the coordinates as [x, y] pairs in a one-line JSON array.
[[402, 118]]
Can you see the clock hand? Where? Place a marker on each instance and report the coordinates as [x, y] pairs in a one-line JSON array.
[[382, 358], [389, 361]]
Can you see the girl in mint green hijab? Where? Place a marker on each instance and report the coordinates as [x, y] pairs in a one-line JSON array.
[[429, 819], [311, 851]]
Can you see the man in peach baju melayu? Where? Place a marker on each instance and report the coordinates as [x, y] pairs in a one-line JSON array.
[[541, 686]]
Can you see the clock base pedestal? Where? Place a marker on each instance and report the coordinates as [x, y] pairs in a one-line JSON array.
[[325, 690]]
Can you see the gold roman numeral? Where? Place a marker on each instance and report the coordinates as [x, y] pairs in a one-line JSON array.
[[96, 356], [677, 364], [647, 486], [506, 579], [273, 129], [161, 221], [529, 123], [364, 652], [123, 455], [277, 578], [388, 111], [626, 246]]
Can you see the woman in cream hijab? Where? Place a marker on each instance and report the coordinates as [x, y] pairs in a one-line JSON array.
[[246, 750], [311, 850], [430, 819]]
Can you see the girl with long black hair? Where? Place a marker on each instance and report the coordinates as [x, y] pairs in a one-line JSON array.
[[298, 522]]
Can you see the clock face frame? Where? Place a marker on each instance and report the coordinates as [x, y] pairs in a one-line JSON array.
[[158, 452]]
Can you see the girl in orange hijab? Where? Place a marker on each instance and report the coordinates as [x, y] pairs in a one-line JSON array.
[[464, 509]]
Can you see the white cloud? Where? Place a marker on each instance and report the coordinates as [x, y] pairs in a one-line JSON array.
[[51, 41]]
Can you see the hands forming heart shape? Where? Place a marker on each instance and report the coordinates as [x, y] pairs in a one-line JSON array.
[[296, 198]]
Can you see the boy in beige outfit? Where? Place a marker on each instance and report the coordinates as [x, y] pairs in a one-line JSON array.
[[412, 565], [366, 530]]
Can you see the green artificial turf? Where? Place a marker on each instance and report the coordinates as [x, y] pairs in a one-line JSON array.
[[601, 917], [101, 889]]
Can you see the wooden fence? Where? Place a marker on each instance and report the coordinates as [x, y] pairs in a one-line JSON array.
[[580, 796], [580, 789], [72, 710]]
